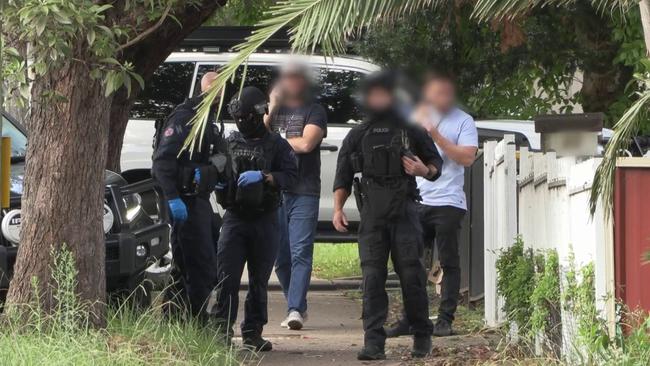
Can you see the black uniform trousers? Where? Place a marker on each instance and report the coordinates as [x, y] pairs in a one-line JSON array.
[[251, 241], [399, 236], [194, 256]]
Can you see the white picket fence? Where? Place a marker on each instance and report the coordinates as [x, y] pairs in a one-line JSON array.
[[545, 200]]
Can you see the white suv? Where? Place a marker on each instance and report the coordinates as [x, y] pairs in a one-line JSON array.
[[338, 78]]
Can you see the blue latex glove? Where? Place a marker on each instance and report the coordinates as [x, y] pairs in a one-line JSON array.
[[197, 175], [178, 209], [249, 177]]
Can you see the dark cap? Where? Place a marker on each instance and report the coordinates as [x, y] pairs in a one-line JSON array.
[[251, 101]]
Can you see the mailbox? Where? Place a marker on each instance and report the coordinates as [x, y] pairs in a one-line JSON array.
[[570, 134]]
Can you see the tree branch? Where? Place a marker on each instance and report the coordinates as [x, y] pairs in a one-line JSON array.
[[147, 32]]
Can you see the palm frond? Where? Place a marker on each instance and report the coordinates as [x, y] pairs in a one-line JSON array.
[[602, 189], [505, 9], [324, 23]]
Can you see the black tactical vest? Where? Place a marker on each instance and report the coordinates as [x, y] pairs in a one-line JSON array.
[[385, 186], [382, 147], [257, 197]]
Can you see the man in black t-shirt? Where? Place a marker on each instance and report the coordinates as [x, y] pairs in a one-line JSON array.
[[303, 123]]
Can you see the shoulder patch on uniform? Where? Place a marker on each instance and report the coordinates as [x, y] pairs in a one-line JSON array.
[[169, 131]]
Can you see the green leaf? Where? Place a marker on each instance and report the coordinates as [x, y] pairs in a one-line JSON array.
[[127, 83], [90, 36], [139, 79], [110, 60], [103, 8], [61, 18]]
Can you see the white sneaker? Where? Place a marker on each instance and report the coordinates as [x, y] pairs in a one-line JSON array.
[[295, 320], [285, 322]]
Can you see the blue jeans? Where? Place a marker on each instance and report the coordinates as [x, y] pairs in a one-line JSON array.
[[298, 219]]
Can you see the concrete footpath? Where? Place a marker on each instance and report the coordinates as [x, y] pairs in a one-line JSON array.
[[332, 335]]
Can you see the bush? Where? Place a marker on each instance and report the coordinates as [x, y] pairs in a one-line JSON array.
[[515, 282]]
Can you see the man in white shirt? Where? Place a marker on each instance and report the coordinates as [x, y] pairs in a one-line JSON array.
[[443, 203]]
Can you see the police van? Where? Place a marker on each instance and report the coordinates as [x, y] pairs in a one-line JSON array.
[[337, 78]]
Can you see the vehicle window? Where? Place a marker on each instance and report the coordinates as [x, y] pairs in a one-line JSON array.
[[18, 139], [335, 89], [336, 94], [168, 87]]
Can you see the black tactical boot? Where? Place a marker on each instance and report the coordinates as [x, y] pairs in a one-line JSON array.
[[421, 346], [371, 352], [442, 328], [399, 329], [255, 342]]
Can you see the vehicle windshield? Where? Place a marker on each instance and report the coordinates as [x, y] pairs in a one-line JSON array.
[[18, 139]]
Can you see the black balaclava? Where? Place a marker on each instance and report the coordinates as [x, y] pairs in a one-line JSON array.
[[248, 110], [378, 80]]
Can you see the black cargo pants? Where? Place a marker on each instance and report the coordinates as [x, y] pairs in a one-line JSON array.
[[253, 242], [399, 236], [194, 268]]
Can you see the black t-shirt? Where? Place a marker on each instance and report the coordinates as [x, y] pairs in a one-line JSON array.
[[290, 122], [421, 145]]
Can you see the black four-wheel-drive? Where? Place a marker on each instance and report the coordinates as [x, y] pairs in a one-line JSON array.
[[136, 232]]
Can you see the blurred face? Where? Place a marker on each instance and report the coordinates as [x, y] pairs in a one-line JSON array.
[[379, 99], [293, 85], [441, 94]]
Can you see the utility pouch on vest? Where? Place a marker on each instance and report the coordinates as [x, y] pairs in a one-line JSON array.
[[250, 196], [186, 183], [358, 195], [208, 179]]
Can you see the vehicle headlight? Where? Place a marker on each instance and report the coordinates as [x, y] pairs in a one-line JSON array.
[[109, 219], [133, 204], [11, 226]]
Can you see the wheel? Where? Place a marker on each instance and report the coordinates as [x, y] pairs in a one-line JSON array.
[[136, 291]]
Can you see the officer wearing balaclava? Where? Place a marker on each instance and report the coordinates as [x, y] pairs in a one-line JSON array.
[[389, 153], [263, 164]]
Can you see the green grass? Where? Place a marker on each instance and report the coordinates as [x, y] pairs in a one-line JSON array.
[[30, 336], [129, 339], [336, 261]]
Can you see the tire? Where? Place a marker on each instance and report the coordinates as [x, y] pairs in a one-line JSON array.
[[136, 291]]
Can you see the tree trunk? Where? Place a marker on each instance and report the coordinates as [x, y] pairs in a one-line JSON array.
[[64, 188], [146, 56]]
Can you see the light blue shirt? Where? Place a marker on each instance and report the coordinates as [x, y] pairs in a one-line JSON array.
[[459, 128]]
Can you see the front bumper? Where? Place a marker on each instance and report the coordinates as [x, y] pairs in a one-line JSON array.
[[130, 253], [122, 258]]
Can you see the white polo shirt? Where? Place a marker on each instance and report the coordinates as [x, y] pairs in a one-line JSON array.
[[459, 128]]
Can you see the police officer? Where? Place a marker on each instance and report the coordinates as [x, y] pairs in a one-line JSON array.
[[263, 164], [193, 234], [389, 153]]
